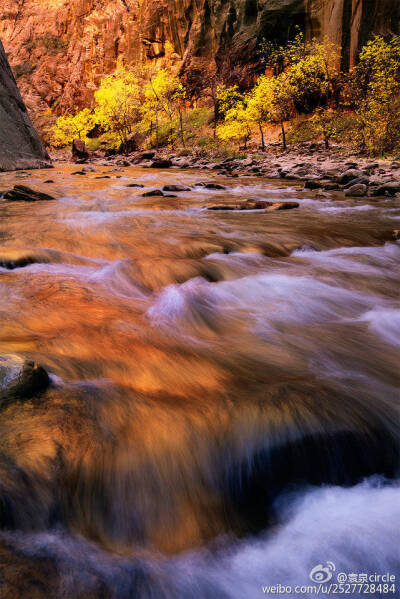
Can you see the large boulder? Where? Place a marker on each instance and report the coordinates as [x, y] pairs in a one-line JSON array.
[[79, 151], [20, 146], [359, 190], [21, 193]]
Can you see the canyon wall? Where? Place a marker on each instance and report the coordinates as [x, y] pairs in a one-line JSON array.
[[60, 49], [20, 146]]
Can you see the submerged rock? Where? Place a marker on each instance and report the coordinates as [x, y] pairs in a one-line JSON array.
[[79, 151], [213, 186], [12, 258], [21, 193], [350, 175], [255, 205], [312, 184], [161, 163], [175, 188], [152, 193], [389, 189], [20, 379], [135, 185], [357, 191]]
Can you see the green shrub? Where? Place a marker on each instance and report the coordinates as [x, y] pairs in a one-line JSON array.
[[25, 68], [53, 43]]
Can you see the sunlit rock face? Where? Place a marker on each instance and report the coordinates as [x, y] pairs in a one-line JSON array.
[[59, 49], [20, 146]]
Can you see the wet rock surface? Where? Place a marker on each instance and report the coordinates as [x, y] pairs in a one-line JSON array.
[[20, 379], [20, 146], [21, 193], [255, 205], [319, 169]]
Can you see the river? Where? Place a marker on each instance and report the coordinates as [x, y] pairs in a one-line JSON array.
[[223, 411]]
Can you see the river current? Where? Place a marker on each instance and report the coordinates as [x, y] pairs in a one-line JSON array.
[[223, 412]]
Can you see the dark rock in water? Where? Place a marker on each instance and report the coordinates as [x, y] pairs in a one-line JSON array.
[[79, 173], [79, 151], [175, 188], [313, 184], [153, 192], [104, 177], [284, 205], [255, 205], [135, 185], [359, 190], [359, 181], [222, 207], [20, 193], [210, 185], [49, 181], [214, 186], [11, 258], [20, 380], [20, 146], [147, 155], [389, 189], [349, 175], [161, 163], [330, 186]]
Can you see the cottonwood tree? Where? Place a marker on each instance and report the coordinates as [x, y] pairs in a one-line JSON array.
[[119, 104], [376, 96], [67, 128], [165, 98], [236, 125]]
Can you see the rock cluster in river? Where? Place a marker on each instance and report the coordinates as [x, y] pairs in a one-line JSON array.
[[318, 169]]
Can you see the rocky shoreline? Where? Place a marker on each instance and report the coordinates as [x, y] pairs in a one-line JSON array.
[[317, 168]]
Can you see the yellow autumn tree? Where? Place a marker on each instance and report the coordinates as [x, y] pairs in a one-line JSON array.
[[67, 128], [259, 105], [119, 104], [278, 95], [237, 125], [376, 96], [314, 75], [165, 100]]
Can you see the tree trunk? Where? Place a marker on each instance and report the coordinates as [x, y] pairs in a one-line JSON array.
[[157, 140], [283, 136], [216, 116], [262, 137], [181, 125]]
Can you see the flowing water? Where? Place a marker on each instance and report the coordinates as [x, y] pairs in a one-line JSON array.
[[224, 405]]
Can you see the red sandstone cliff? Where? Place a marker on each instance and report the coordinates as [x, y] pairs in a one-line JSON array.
[[59, 49]]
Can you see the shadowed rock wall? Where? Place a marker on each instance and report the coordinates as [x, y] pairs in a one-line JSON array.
[[20, 146]]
